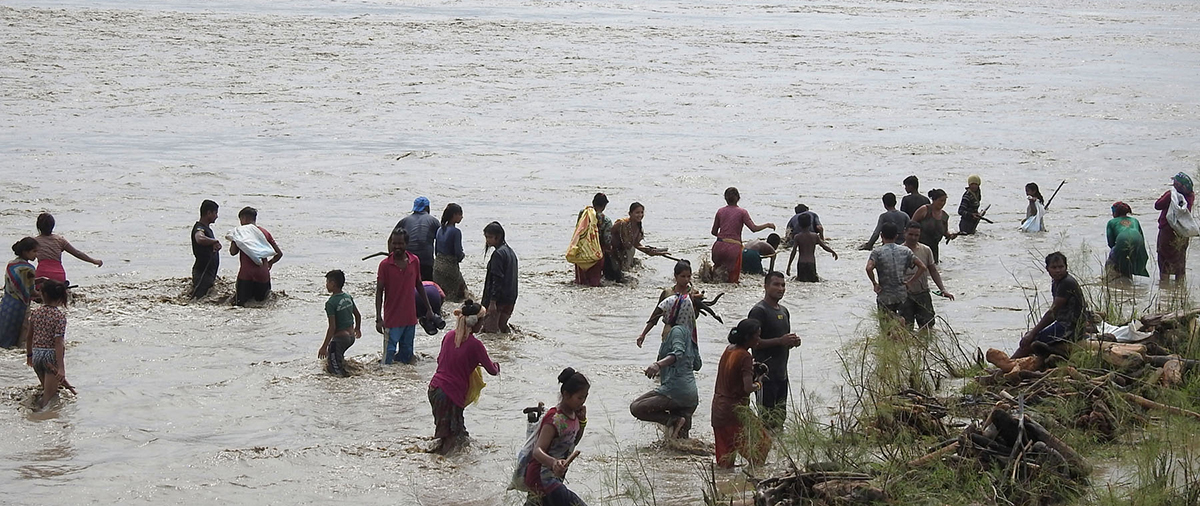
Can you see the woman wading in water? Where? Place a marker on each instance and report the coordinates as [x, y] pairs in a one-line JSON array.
[[449, 254], [50, 249], [675, 400], [935, 222], [727, 228]]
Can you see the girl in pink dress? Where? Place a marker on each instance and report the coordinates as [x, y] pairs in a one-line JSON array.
[[727, 227]]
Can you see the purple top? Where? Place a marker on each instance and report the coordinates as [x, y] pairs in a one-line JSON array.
[[455, 366]]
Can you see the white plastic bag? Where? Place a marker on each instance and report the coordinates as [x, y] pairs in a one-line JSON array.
[[1179, 217], [1034, 223], [251, 241], [1123, 333]]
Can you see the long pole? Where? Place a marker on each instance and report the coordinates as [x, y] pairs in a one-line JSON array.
[[1060, 185]]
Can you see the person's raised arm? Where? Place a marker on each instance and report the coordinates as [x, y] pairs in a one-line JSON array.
[[757, 228], [80, 255], [874, 235], [789, 340], [1163, 201], [483, 359], [233, 248], [205, 240], [278, 253]]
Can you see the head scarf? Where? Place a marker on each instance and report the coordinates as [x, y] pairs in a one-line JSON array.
[[468, 316], [420, 204], [1184, 180], [974, 179], [1121, 209]]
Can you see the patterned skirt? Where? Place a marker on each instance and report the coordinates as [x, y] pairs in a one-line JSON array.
[[12, 316], [447, 416], [448, 276]]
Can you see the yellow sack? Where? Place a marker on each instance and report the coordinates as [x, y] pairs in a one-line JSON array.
[[584, 249], [475, 386]]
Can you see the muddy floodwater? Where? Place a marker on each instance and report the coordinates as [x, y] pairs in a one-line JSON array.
[[331, 116]]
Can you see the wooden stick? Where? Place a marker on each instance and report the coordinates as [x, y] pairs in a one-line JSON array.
[[572, 457], [373, 255], [1060, 185], [1149, 404], [934, 455]]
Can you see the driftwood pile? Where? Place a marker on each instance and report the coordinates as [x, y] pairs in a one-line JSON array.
[[1016, 442], [1135, 373], [817, 487]]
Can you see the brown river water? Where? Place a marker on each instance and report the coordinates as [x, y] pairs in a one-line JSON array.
[[330, 117]]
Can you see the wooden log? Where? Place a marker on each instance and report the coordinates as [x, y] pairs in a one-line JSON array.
[[1077, 466], [1172, 375], [1149, 404], [1010, 431]]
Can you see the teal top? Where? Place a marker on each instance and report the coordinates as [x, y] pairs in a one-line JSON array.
[[1128, 244], [341, 307], [678, 380]]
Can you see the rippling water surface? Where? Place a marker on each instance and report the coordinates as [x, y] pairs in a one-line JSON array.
[[330, 117]]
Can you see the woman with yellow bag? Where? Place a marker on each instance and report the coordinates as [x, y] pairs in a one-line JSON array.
[[458, 378], [590, 242]]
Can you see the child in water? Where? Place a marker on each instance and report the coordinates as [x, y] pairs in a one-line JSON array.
[[345, 324], [45, 335], [1036, 210], [558, 433]]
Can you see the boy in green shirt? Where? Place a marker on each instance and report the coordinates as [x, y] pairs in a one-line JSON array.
[[345, 324]]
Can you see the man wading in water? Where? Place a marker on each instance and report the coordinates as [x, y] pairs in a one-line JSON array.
[[773, 348], [206, 248]]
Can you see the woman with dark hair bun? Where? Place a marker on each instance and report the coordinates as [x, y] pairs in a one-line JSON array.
[[18, 291], [1128, 256], [737, 429], [452, 386]]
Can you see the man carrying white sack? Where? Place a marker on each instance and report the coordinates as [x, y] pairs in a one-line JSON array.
[[254, 276]]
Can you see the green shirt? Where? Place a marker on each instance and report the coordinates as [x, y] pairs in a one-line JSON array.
[[341, 307]]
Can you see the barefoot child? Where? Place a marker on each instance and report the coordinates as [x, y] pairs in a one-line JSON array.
[[731, 400], [44, 341], [558, 433], [345, 324], [806, 241]]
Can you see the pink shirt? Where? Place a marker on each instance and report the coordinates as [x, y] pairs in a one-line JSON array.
[[455, 365], [730, 220], [399, 294]]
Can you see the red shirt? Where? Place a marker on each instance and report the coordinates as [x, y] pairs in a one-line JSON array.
[[250, 271], [399, 291]]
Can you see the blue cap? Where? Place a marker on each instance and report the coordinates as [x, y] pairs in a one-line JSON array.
[[421, 204]]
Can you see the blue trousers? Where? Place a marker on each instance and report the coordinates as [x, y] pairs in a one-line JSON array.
[[399, 344]]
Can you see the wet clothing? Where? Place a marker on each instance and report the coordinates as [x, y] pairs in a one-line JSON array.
[[730, 406], [727, 250], [567, 433], [44, 361], [658, 408], [448, 418], [500, 282], [204, 270], [891, 262], [496, 319], [335, 356], [793, 225], [399, 290], [918, 307], [933, 230], [772, 398], [398, 345], [967, 207], [18, 292], [897, 218], [434, 293], [1172, 247], [911, 202], [1128, 256], [751, 262], [49, 257], [246, 290], [250, 271], [422, 235], [455, 365], [47, 326], [626, 236], [807, 272], [678, 380], [1071, 316], [341, 307], [734, 440], [446, 269]]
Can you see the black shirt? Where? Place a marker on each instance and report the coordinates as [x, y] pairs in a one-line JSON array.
[[1069, 315], [500, 283], [204, 252], [910, 203], [775, 323]]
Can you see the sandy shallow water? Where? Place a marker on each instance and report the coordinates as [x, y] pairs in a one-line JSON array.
[[330, 117]]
